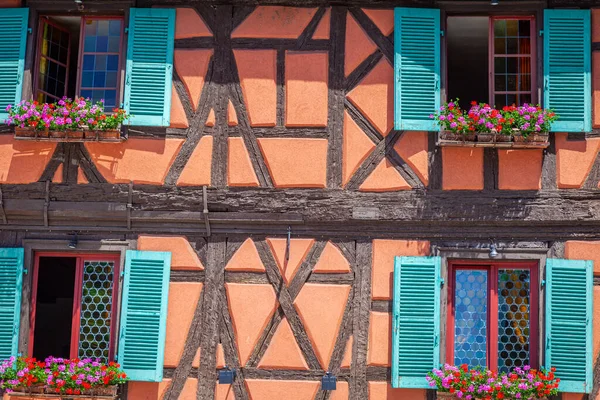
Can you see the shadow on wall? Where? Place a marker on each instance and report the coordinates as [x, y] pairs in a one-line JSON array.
[[23, 162]]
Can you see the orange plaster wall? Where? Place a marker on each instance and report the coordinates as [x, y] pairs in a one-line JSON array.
[[258, 76], [306, 90], [296, 162], [156, 391], [191, 66], [413, 147], [23, 161], [240, 171], [190, 24], [197, 171], [462, 168], [384, 178], [574, 160], [384, 252], [183, 256], [596, 69], [520, 169], [380, 339], [144, 161], [183, 300], [384, 391], [275, 22], [584, 250], [358, 45], [265, 389], [178, 117]]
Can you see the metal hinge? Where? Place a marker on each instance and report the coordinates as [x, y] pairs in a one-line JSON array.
[[442, 33], [543, 282], [541, 32], [441, 281]]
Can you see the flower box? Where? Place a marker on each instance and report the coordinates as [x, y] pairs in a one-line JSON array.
[[533, 137], [451, 396], [110, 134], [30, 132]]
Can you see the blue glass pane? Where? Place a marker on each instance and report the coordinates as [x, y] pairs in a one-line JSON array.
[[110, 98], [90, 44], [88, 62], [103, 28], [101, 44], [91, 27], [97, 95], [513, 318], [100, 79], [100, 63], [470, 323], [114, 44], [114, 27], [112, 63], [87, 79], [86, 94], [111, 79]]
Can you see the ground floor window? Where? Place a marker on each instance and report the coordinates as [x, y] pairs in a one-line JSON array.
[[493, 315], [73, 300]]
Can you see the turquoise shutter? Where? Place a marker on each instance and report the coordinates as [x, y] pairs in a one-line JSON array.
[[567, 69], [13, 39], [150, 66], [416, 324], [11, 283], [144, 314], [417, 68], [569, 292]]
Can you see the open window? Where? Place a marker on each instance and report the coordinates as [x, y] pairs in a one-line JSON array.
[[73, 306], [491, 59], [79, 56]]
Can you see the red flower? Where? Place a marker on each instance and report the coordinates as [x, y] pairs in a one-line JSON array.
[[473, 103]]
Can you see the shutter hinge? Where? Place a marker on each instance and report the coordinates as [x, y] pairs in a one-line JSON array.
[[126, 29], [29, 30], [541, 32], [441, 280], [543, 282], [25, 271], [442, 33]]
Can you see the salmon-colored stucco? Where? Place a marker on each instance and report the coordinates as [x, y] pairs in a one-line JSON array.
[[224, 392], [347, 360], [246, 258], [298, 251], [258, 78], [183, 256], [240, 171], [190, 24], [374, 96], [81, 179], [197, 171], [192, 66], [462, 168], [341, 391], [283, 351], [574, 160], [58, 175], [178, 117], [584, 250], [384, 19], [196, 360], [306, 91], [275, 22], [322, 322], [413, 148], [332, 260], [573, 396], [251, 306], [23, 161], [384, 253], [380, 339], [384, 391], [232, 119], [220, 356], [322, 31], [144, 161], [266, 389], [358, 45], [296, 162], [384, 178], [183, 300], [520, 169], [211, 120], [356, 147]]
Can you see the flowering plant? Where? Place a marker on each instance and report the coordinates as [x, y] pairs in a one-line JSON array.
[[59, 375], [66, 114], [450, 117], [471, 384], [529, 118], [483, 118]]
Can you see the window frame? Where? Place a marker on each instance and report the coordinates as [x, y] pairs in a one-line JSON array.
[[76, 312], [492, 323]]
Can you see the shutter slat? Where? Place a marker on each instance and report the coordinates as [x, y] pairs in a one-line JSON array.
[[416, 323], [13, 40], [150, 66], [11, 266], [144, 314], [417, 68], [567, 69], [569, 322]]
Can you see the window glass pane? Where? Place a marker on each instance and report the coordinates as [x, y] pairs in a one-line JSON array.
[[96, 309], [499, 28], [524, 28], [512, 27], [513, 319], [470, 324]]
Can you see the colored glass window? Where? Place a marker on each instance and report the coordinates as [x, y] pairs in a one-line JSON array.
[[471, 318], [53, 62], [101, 60]]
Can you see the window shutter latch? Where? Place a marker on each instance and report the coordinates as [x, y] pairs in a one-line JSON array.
[[543, 282], [441, 281], [442, 33], [29, 30], [126, 29], [541, 32]]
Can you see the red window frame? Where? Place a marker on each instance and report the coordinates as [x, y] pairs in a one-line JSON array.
[[492, 314], [76, 314], [492, 56]]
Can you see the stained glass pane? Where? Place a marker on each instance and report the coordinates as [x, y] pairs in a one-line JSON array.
[[513, 318], [470, 323], [96, 309], [54, 50]]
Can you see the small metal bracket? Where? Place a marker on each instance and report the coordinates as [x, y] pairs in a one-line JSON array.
[[126, 29], [25, 271], [29, 30], [129, 204], [205, 210], [287, 245], [543, 282], [46, 203], [2, 212], [442, 33], [441, 280], [541, 32]]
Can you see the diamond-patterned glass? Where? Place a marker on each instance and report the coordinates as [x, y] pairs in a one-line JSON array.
[[470, 323], [96, 309], [513, 318]]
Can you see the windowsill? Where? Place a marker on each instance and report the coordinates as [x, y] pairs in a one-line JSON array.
[[491, 141], [112, 135]]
